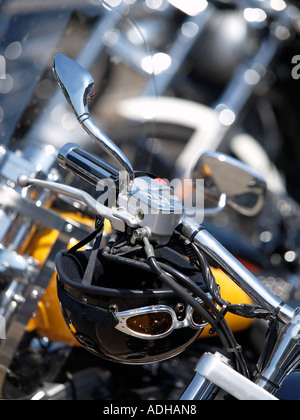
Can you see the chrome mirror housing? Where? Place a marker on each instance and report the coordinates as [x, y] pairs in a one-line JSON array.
[[76, 83], [245, 189], [78, 87]]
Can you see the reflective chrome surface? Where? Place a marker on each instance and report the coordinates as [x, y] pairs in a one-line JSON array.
[[22, 211], [237, 272], [87, 166], [284, 358], [146, 204], [78, 87], [215, 369], [15, 226], [154, 206], [24, 181], [76, 83], [245, 190], [125, 316]]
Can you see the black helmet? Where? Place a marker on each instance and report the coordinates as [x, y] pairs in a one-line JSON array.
[[125, 315]]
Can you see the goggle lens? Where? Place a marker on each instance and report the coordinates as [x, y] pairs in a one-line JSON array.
[[151, 324]]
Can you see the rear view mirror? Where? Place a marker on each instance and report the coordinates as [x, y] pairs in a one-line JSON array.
[[76, 83], [78, 87], [245, 190]]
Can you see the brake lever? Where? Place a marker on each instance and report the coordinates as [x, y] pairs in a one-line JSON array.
[[148, 204], [118, 218]]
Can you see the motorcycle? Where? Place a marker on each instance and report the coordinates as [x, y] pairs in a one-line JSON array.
[[152, 317], [38, 345], [39, 349]]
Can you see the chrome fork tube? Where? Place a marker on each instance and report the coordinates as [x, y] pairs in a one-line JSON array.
[[200, 389], [214, 373], [286, 353], [284, 358]]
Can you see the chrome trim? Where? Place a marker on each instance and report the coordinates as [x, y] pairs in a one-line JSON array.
[[29, 291], [23, 280], [124, 316], [109, 146], [179, 50], [285, 357], [87, 166], [117, 222], [215, 369], [13, 200], [78, 86]]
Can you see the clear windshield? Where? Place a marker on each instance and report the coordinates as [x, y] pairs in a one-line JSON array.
[[102, 38]]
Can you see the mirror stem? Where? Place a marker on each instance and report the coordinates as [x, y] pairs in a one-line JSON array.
[[104, 141]]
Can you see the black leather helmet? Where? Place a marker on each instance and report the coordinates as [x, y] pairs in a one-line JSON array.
[[125, 315]]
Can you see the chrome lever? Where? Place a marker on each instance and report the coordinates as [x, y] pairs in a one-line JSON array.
[[143, 206], [78, 87], [79, 195]]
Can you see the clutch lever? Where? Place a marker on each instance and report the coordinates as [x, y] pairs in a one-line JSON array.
[[118, 218]]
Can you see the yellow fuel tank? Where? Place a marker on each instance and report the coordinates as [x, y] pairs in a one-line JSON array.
[[48, 320]]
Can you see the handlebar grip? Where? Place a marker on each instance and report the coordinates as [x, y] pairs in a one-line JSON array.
[[86, 165]]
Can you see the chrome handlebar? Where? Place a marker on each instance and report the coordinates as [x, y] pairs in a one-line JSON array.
[[149, 204], [85, 165], [143, 203], [236, 271], [25, 181]]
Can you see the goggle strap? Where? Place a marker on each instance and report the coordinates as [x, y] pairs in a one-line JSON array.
[[97, 233], [88, 239], [103, 317], [89, 272]]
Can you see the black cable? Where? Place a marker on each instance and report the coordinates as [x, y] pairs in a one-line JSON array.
[[132, 263], [214, 290], [243, 310], [220, 325], [179, 290], [190, 285], [209, 278]]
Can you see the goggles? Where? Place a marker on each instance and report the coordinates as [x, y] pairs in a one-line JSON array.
[[155, 322]]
